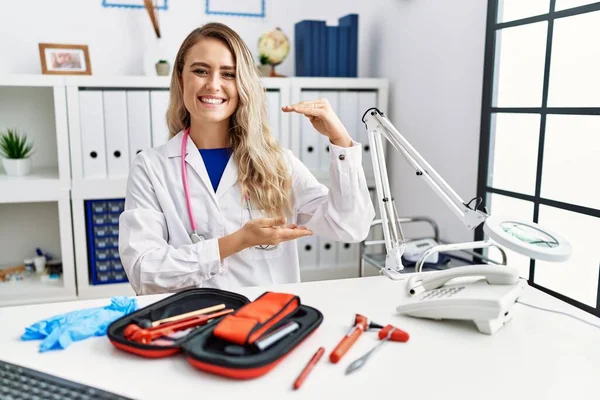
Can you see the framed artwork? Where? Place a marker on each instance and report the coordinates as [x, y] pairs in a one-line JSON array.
[[65, 59], [246, 8], [158, 4]]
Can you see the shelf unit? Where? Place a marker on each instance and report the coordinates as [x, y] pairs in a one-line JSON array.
[[36, 209], [83, 188], [67, 183]]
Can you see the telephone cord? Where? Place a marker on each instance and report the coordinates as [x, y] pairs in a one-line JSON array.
[[559, 312]]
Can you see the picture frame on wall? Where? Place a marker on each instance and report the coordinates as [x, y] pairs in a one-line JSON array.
[[236, 8], [65, 59], [158, 4]]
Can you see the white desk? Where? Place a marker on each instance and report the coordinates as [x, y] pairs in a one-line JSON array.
[[538, 355]]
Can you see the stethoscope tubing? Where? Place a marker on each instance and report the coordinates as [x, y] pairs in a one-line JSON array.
[[188, 200]]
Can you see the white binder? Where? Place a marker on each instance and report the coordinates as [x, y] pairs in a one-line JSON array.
[[366, 100], [309, 137], [117, 141], [93, 146], [138, 121], [333, 98], [327, 253], [348, 254], [349, 115], [159, 103], [308, 252], [274, 114]]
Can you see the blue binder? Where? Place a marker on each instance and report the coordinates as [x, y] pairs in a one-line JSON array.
[[351, 21], [319, 48], [332, 51], [305, 53], [323, 50], [343, 49]]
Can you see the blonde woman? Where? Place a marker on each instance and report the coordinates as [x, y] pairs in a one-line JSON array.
[[221, 204]]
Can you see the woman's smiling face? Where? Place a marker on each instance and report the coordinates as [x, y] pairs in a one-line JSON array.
[[209, 84]]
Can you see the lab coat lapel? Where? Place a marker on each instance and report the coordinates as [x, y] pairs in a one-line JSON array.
[[229, 178], [194, 160]]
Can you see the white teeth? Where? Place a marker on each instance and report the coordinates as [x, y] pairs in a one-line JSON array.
[[211, 101]]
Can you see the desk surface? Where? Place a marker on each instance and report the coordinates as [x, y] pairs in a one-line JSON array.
[[538, 355]]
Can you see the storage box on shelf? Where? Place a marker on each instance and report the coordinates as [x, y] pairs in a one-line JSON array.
[[35, 210]]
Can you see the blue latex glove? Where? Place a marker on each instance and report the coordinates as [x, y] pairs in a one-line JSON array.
[[60, 331]]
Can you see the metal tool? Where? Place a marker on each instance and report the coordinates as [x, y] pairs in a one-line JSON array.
[[358, 363], [274, 337], [388, 333]]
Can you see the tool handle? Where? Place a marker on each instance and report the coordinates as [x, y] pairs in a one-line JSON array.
[[153, 333], [345, 344], [189, 314]]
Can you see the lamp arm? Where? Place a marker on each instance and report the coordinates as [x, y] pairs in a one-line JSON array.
[[378, 125]]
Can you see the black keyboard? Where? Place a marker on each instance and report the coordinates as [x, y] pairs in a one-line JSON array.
[[17, 382]]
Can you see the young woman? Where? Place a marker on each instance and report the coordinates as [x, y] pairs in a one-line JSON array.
[[221, 204]]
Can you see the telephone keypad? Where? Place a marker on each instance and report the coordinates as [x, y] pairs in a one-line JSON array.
[[441, 293]]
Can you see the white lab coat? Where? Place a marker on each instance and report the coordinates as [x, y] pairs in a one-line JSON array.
[[154, 243]]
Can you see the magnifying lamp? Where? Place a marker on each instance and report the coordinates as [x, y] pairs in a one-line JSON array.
[[527, 238]]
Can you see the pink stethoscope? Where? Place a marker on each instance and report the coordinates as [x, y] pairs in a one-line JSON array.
[[194, 235]]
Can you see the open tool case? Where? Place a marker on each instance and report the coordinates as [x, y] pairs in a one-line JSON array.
[[210, 351]]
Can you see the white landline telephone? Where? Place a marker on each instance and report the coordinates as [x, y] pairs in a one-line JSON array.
[[484, 294]]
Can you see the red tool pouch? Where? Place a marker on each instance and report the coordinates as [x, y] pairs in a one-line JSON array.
[[225, 345], [254, 319]]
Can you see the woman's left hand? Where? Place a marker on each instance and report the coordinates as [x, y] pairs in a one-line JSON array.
[[323, 119]]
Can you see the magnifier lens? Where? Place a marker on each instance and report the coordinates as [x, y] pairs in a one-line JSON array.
[[529, 234]]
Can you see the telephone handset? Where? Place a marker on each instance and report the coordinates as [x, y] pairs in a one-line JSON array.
[[482, 293], [493, 274]]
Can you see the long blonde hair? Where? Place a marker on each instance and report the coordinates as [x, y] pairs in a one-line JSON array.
[[262, 171]]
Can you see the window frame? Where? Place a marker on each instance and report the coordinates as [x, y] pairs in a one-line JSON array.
[[487, 112]]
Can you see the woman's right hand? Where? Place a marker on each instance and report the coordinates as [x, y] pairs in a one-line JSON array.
[[271, 231]]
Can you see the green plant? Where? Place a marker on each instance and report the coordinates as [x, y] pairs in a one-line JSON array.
[[163, 62], [14, 145], [264, 59]]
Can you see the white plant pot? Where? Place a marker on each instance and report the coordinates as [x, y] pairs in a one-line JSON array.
[[17, 166], [265, 70]]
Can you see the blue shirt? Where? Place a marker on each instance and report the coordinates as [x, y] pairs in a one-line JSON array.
[[215, 161]]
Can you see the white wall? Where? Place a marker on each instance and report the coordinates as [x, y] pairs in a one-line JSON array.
[[119, 38], [431, 50]]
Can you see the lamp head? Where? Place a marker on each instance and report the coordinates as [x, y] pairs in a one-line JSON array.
[[527, 238]]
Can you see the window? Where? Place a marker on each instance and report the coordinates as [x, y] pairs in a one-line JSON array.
[[540, 135]]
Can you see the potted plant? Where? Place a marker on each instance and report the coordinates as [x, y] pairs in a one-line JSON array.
[[163, 67], [16, 153]]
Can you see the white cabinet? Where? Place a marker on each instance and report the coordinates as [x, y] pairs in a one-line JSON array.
[[87, 131], [35, 210]]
